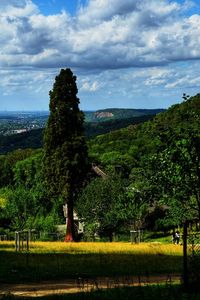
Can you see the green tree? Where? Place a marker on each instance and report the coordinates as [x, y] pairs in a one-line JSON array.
[[20, 207], [174, 174], [104, 203], [29, 175], [7, 163], [65, 149]]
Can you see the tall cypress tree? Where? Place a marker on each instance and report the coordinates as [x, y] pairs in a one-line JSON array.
[[65, 149]]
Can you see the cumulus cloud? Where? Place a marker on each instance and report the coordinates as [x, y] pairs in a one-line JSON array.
[[88, 86], [14, 8], [28, 80], [116, 41], [103, 35]]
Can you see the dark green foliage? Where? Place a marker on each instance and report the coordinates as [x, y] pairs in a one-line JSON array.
[[29, 174], [176, 172], [104, 203], [21, 208], [174, 166], [65, 150], [7, 163], [93, 128], [125, 147], [166, 150], [21, 187], [27, 202]]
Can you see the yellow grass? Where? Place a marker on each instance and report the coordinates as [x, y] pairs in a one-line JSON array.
[[100, 248]]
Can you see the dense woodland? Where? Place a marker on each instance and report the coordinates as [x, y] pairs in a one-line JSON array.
[[152, 178]]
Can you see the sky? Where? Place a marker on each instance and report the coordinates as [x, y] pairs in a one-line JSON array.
[[126, 54]]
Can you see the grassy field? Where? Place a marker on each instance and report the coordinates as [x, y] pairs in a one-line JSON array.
[[98, 247], [58, 260]]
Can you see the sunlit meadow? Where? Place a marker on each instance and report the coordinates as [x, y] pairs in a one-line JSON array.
[[92, 247]]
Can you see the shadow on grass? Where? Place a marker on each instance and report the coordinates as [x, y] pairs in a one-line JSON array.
[[157, 292], [34, 267]]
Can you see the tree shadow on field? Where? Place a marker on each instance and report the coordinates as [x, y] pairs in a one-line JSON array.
[[34, 267]]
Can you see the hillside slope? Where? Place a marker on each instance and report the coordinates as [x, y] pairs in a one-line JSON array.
[[129, 145], [118, 113]]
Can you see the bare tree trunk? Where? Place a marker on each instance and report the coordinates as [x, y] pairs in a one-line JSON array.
[[110, 236], [70, 236]]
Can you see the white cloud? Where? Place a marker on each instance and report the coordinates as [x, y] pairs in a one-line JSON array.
[[88, 86], [27, 80], [14, 9], [105, 34], [116, 41]]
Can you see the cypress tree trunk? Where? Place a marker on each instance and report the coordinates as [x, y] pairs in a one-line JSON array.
[[70, 233]]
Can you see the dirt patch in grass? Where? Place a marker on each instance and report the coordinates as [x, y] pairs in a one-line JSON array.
[[47, 288]]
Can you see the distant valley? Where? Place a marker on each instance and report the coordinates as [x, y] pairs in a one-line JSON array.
[[25, 129]]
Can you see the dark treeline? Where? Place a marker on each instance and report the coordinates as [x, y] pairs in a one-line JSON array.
[[93, 129]]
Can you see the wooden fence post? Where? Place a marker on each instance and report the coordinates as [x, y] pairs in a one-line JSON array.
[[27, 241], [17, 241], [21, 241]]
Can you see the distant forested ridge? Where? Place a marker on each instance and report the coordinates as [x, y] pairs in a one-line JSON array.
[[120, 118], [93, 129], [118, 113]]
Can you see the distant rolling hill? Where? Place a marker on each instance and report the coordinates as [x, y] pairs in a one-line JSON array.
[[118, 113], [93, 129]]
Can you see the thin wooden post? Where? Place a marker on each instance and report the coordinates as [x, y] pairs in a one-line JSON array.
[[19, 242], [16, 241], [185, 261], [132, 236], [22, 239], [27, 241], [29, 235]]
